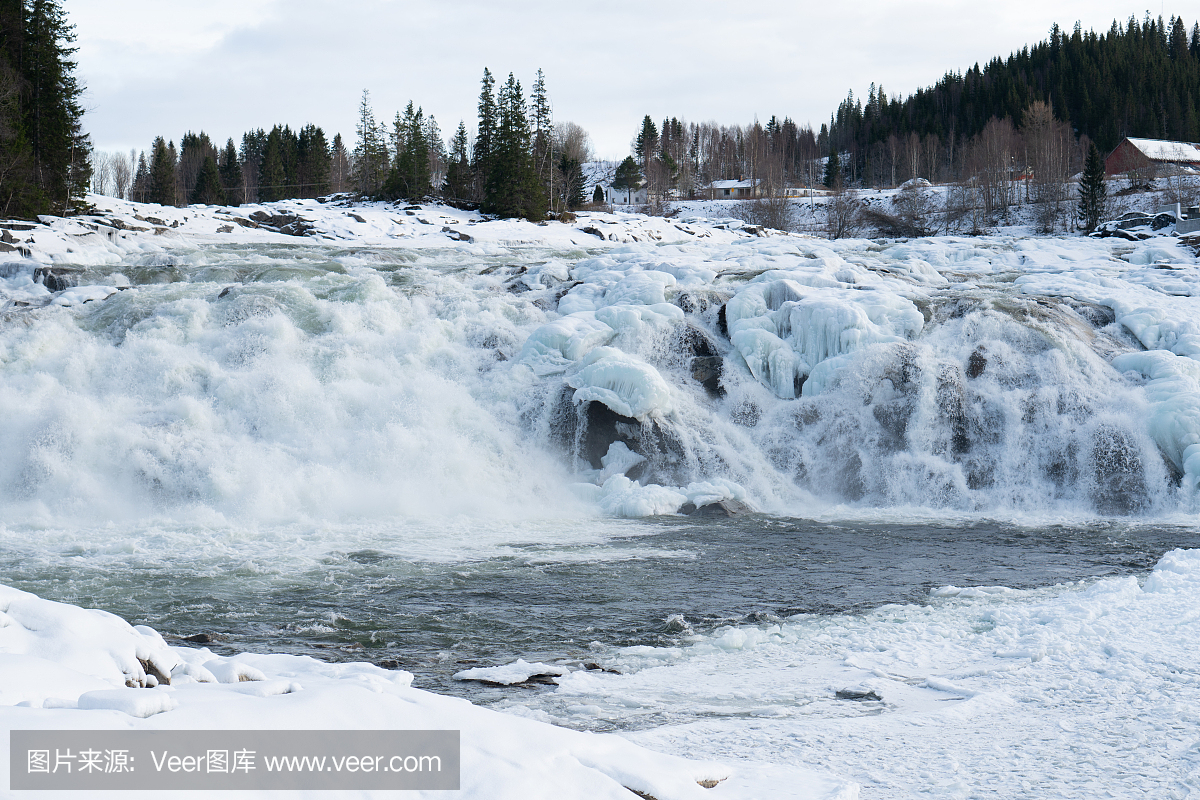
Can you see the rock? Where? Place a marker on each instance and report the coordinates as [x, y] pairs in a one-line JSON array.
[[857, 694], [690, 339], [722, 508], [594, 667], [976, 363], [225, 229], [605, 426], [356, 217], [152, 670], [706, 370], [200, 638], [593, 231], [1161, 221], [56, 279]]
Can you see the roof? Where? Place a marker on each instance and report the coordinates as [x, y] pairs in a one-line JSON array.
[[732, 184], [1161, 150]]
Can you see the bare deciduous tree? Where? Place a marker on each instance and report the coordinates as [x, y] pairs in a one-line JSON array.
[[1047, 145]]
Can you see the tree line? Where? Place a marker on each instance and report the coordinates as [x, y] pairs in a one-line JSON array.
[[1137, 79], [44, 166], [268, 165], [520, 163]]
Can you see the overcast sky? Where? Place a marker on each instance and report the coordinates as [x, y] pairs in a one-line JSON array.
[[163, 67]]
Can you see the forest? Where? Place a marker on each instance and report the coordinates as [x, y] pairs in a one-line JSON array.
[[1037, 112], [44, 151]]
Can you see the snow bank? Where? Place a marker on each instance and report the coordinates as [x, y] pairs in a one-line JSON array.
[[63, 667], [981, 691]]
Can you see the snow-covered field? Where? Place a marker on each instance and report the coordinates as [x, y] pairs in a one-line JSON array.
[[219, 376]]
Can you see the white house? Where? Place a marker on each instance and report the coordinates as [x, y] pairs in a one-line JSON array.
[[733, 190]]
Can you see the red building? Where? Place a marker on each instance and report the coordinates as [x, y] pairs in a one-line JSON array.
[[1135, 155]]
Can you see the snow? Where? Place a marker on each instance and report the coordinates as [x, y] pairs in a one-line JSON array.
[[517, 672], [1161, 150], [988, 691], [623, 382], [503, 756]]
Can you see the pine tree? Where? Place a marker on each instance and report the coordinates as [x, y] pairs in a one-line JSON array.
[[458, 170], [1092, 191], [162, 174], [43, 148], [542, 130], [231, 174], [273, 176], [833, 170], [339, 166], [370, 154], [208, 189], [485, 136], [628, 177], [253, 144], [513, 188]]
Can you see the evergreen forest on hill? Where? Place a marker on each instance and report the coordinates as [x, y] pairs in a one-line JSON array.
[[1137, 79]]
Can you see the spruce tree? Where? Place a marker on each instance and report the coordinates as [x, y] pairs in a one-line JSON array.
[[628, 177], [513, 188], [313, 162], [273, 176], [409, 178], [43, 148], [833, 170], [208, 189], [458, 170], [571, 183], [253, 144], [231, 174], [370, 154], [1092, 191], [647, 142], [485, 136], [141, 181], [162, 174]]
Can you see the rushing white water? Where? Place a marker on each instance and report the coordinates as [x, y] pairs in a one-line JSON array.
[[378, 438], [279, 384]]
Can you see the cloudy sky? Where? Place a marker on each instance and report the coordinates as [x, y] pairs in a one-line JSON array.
[[164, 67]]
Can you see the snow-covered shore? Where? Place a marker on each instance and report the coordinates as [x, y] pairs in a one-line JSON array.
[[64, 668]]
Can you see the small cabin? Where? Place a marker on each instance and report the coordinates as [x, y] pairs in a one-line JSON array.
[[733, 190]]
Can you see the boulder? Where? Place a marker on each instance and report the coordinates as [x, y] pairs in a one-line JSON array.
[[721, 508], [56, 279]]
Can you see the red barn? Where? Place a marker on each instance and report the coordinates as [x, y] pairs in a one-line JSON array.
[[1135, 155]]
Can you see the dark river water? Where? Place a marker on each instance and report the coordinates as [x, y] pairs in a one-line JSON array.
[[674, 577]]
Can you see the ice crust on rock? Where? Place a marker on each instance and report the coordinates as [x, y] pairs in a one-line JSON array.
[[518, 671], [784, 327], [623, 382]]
